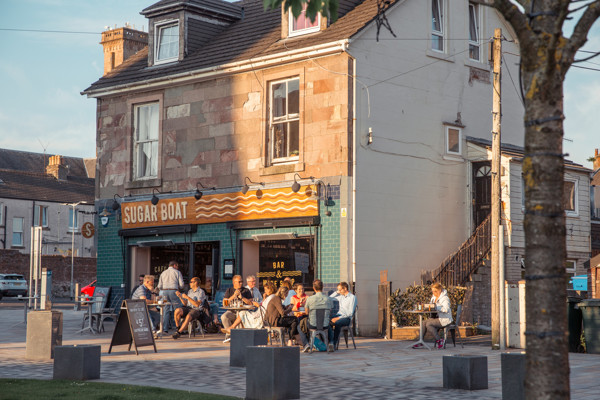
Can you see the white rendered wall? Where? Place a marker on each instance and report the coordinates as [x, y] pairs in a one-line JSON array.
[[413, 202]]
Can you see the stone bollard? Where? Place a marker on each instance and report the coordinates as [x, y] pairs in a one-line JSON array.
[[242, 338], [465, 372], [272, 373], [513, 375], [44, 333], [79, 362]]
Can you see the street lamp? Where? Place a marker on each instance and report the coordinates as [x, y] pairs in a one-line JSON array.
[[72, 242]]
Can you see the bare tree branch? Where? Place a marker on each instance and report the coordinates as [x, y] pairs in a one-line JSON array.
[[587, 58], [574, 10], [583, 26]]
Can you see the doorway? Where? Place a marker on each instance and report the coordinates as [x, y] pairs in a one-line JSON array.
[[482, 191]]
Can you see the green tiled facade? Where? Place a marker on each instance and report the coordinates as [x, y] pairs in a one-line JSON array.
[[112, 252]]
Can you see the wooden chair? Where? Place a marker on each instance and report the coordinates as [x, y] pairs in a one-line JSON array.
[[322, 328], [453, 329]]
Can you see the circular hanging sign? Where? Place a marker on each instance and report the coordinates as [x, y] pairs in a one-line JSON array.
[[87, 230]]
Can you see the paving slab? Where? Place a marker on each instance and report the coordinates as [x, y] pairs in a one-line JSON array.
[[377, 369]]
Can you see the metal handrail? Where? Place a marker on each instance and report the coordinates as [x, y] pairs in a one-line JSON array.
[[456, 268]]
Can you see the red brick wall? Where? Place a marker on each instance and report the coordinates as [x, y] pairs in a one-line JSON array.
[[84, 269]]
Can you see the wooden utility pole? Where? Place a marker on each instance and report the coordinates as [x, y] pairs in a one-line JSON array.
[[496, 114]]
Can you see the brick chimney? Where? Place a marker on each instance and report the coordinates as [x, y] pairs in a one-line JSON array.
[[596, 160], [121, 43], [56, 168]]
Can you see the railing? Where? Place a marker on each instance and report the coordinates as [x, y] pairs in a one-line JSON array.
[[456, 268]]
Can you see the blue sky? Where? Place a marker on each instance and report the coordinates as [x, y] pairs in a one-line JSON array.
[[42, 75]]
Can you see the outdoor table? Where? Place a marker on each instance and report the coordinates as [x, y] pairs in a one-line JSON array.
[[240, 308], [90, 305], [161, 308], [420, 313]]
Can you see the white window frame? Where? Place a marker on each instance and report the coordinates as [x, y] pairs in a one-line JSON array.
[[1, 213], [40, 216], [73, 227], [146, 144], [447, 129], [475, 17], [575, 211], [298, 32], [158, 28], [287, 118], [571, 266], [439, 35], [20, 242]]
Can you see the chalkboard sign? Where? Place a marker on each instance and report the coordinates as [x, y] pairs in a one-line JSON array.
[[133, 326]]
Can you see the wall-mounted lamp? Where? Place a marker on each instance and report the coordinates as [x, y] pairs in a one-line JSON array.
[[296, 185], [154, 200], [116, 205], [245, 188], [198, 194]]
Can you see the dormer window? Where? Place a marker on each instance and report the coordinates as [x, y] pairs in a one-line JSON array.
[[167, 42], [303, 25]]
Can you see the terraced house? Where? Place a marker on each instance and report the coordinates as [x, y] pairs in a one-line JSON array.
[[239, 140]]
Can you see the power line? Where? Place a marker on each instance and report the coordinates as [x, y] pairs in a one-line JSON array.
[[49, 31]]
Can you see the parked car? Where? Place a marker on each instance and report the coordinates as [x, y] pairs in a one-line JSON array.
[[89, 289], [12, 285]]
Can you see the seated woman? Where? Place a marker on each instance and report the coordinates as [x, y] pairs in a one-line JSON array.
[[442, 306], [299, 301], [254, 319], [276, 314]]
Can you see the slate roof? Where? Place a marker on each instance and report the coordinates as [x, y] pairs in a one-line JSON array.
[[40, 186], [256, 35], [36, 162], [518, 152]]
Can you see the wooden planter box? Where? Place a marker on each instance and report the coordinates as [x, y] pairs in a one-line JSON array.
[[412, 332]]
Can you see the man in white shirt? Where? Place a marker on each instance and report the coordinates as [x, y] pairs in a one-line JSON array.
[[251, 286], [170, 282], [344, 315]]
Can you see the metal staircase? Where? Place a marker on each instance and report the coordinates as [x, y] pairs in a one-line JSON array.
[[456, 268]]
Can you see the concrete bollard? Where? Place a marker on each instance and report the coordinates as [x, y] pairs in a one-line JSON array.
[[513, 375], [44, 333], [272, 373], [242, 338], [80, 362], [465, 372]]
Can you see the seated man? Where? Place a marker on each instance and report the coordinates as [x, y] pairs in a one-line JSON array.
[[344, 315], [315, 302], [144, 292], [237, 292], [193, 307]]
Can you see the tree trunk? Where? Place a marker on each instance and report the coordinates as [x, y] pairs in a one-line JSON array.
[[547, 363]]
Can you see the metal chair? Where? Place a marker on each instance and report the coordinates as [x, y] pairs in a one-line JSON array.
[[197, 324], [321, 328], [111, 313], [274, 333], [348, 331], [453, 328]]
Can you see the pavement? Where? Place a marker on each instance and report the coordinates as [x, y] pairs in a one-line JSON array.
[[377, 369]]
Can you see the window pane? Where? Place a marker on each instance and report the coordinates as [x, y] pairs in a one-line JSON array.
[[168, 42], [436, 14], [293, 138], [294, 96], [473, 24], [280, 140], [17, 224], [453, 140], [73, 223], [146, 140], [569, 196], [36, 216], [279, 106], [473, 52], [44, 216], [17, 236], [302, 22]]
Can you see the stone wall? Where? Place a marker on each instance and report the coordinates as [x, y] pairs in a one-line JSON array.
[[84, 269]]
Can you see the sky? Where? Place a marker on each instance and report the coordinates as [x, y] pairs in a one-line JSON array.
[[43, 73]]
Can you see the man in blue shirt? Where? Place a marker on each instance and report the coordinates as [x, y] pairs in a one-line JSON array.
[[144, 292], [344, 315]]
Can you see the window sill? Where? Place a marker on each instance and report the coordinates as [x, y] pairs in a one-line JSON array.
[[282, 168], [477, 64], [145, 183], [453, 157], [439, 55]]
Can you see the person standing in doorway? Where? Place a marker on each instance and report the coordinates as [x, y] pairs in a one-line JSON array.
[[169, 283]]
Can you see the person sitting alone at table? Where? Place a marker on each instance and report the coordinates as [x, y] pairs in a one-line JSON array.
[[144, 292], [254, 319], [299, 301], [276, 314], [344, 315], [317, 301], [193, 307], [237, 292], [444, 311]]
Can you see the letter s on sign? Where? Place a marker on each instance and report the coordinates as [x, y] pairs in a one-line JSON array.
[[87, 230]]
